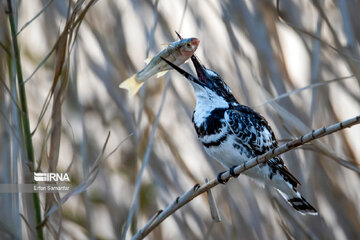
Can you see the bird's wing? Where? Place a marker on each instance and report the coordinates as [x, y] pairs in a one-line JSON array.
[[252, 130]]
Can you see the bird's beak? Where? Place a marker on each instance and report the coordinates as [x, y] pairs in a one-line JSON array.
[[182, 72], [200, 70]]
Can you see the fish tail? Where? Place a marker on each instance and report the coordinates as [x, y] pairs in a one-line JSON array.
[[132, 85]]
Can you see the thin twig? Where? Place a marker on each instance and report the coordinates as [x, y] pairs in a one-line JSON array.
[[5, 49], [90, 178], [36, 16], [144, 164], [311, 86], [197, 190], [214, 210], [14, 101], [117, 147], [325, 43]]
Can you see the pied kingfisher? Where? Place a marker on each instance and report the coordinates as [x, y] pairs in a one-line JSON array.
[[233, 133]]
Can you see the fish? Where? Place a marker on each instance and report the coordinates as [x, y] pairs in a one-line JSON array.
[[177, 53]]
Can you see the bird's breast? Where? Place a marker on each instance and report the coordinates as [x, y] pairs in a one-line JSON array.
[[224, 149], [217, 138]]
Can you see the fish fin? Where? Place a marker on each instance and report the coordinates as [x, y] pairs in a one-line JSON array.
[[160, 74], [147, 61], [166, 44], [131, 85]]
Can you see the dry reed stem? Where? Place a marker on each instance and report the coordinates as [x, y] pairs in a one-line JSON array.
[[144, 164], [197, 189]]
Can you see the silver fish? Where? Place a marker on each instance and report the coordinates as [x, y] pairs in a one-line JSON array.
[[177, 53]]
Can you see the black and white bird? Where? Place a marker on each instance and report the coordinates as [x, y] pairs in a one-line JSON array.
[[233, 133]]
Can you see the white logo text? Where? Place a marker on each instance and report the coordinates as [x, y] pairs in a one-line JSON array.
[[51, 177]]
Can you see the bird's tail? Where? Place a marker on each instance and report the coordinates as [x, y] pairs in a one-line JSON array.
[[299, 203], [131, 84]]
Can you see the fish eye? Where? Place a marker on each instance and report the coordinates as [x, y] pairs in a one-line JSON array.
[[188, 44]]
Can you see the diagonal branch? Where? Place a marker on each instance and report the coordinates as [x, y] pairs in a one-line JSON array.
[[197, 189]]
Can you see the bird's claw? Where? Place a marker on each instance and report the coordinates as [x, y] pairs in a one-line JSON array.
[[220, 180], [232, 173]]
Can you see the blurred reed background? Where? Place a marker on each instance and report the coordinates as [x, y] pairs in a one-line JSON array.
[[75, 53]]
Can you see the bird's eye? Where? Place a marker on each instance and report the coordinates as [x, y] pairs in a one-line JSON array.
[[188, 45]]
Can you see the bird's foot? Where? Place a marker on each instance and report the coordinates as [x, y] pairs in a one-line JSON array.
[[232, 173], [220, 180]]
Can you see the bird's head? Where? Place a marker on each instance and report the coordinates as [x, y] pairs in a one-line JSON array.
[[208, 83]]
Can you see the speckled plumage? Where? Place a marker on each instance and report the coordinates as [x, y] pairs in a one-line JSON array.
[[233, 134]]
